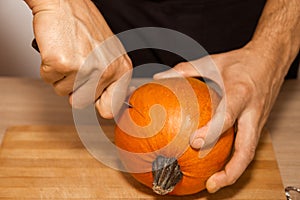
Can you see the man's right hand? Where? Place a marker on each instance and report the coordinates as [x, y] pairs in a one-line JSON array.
[[69, 34]]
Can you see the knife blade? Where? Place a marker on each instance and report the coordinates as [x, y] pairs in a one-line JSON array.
[[36, 47]]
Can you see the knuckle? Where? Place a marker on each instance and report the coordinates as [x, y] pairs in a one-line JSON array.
[[180, 65], [60, 59], [229, 118], [61, 63], [127, 63], [183, 67], [244, 89], [260, 104], [250, 153], [45, 77], [62, 89], [232, 179]]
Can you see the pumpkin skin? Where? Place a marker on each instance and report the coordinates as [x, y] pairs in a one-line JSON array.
[[138, 151]]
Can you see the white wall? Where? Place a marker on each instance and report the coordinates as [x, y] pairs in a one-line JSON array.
[[17, 58]]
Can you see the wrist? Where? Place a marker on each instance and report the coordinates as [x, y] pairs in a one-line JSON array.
[[276, 55], [276, 38]]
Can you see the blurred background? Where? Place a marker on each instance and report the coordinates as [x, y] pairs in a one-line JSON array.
[[17, 58]]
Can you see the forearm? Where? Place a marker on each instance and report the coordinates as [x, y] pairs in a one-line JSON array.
[[277, 35]]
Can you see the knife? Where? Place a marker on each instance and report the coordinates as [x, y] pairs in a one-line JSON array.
[[36, 47]]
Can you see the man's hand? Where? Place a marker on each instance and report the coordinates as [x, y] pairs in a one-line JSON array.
[[249, 93], [251, 78], [70, 36]]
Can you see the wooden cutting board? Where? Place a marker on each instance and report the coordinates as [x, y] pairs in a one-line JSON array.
[[50, 162]]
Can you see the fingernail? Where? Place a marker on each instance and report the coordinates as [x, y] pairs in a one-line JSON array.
[[197, 143]]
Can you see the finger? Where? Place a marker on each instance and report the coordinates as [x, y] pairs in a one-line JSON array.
[[113, 98], [65, 86], [204, 67], [233, 170], [103, 104], [179, 70], [87, 90], [230, 108], [245, 145], [222, 120], [50, 75]]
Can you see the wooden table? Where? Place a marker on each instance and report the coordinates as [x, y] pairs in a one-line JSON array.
[[28, 102]]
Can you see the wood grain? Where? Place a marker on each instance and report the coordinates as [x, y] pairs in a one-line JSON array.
[[31, 101], [284, 126], [50, 162]]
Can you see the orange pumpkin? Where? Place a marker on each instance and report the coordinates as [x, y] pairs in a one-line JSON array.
[[153, 136]]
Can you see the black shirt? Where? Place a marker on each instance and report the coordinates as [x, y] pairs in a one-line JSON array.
[[217, 25]]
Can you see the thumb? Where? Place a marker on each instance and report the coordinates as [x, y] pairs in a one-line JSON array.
[[204, 67], [113, 97], [182, 69]]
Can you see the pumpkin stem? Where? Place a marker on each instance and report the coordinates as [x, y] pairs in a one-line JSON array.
[[166, 174]]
